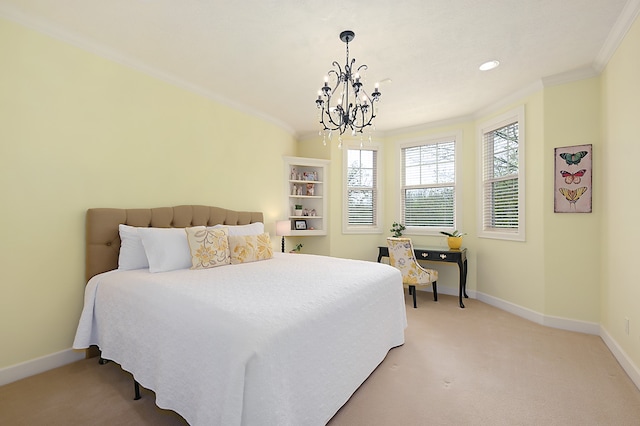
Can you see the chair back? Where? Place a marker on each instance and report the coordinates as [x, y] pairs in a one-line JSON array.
[[402, 257]]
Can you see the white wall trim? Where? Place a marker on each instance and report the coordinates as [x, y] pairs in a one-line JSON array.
[[509, 100], [449, 291], [512, 308], [546, 320], [39, 365], [570, 76], [621, 356], [116, 56], [617, 34], [570, 325]]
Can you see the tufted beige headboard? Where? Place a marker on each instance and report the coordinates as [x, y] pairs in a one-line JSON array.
[[103, 239]]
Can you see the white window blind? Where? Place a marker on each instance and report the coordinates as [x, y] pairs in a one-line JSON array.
[[500, 177], [362, 187], [428, 185], [501, 182]]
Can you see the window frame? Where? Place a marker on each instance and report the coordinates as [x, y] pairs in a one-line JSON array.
[[376, 228], [514, 115], [456, 137]]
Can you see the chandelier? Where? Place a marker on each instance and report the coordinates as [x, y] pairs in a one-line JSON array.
[[346, 105]]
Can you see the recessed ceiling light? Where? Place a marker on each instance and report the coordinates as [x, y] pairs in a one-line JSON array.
[[489, 65]]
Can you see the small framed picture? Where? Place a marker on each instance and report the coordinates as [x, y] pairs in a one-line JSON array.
[[300, 224]]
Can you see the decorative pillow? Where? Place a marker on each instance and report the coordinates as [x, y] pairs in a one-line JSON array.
[[132, 255], [250, 248], [209, 247], [166, 248], [256, 228]]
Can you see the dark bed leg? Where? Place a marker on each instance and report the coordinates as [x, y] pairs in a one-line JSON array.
[[136, 387], [102, 361]]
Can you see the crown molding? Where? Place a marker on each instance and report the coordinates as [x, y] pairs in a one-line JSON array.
[[102, 51], [431, 125], [616, 35], [570, 76], [508, 100]]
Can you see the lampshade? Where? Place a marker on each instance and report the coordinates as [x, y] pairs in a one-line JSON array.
[[283, 227]]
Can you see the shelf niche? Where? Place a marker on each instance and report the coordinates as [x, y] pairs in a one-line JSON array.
[[306, 185]]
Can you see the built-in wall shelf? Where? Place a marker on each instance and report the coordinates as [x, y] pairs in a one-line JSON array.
[[305, 187]]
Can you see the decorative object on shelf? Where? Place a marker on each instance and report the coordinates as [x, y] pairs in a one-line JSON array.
[[454, 239], [297, 248], [310, 189], [354, 108], [300, 225], [310, 175], [298, 210], [313, 212], [294, 175], [397, 229], [283, 228]]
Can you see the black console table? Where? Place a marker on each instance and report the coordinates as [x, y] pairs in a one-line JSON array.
[[440, 255]]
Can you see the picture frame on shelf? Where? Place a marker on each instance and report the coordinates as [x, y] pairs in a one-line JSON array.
[[300, 225]]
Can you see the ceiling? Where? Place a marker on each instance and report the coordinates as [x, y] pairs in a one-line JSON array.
[[269, 57]]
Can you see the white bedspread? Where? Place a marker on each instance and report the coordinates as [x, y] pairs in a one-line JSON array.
[[279, 342]]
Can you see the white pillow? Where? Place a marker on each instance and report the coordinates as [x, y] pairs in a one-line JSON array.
[[132, 254], [256, 228], [167, 249]]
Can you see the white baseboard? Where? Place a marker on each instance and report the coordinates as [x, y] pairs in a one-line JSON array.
[[571, 325], [451, 291], [538, 318], [623, 359], [39, 365]]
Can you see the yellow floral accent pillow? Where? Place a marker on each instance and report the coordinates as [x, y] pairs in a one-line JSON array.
[[209, 247], [250, 248]]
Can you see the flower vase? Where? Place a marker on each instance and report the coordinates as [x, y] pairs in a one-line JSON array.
[[454, 242]]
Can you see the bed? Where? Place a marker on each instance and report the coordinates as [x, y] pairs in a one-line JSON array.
[[281, 341]]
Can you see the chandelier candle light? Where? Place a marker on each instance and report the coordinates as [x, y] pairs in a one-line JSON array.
[[352, 107]]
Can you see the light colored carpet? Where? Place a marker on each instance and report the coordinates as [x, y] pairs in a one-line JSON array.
[[473, 366]]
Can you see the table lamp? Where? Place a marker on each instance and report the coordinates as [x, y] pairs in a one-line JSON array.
[[283, 228]]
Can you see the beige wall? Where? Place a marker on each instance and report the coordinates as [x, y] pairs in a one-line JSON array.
[[79, 131], [620, 285], [572, 244]]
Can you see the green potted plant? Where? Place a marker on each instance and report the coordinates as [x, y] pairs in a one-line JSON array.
[[397, 229], [296, 249], [298, 209], [454, 239]]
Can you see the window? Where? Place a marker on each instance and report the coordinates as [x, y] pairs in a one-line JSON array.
[[501, 177], [361, 194], [428, 196]]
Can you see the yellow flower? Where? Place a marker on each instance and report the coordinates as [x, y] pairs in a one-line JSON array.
[[205, 254]]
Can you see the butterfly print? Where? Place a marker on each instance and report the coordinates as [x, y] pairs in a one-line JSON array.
[[573, 195], [570, 178], [573, 158]]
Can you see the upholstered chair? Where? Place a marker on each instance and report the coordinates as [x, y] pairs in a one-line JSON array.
[[401, 256]]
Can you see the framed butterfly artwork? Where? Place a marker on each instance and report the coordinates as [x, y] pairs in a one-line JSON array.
[[573, 179]]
